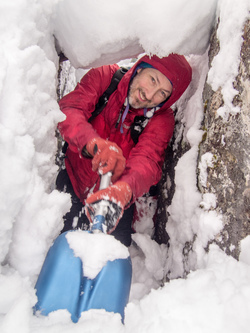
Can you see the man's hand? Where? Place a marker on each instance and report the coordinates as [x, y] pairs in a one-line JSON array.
[[118, 195], [107, 156]]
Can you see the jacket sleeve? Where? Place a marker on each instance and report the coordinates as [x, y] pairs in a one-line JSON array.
[[144, 165], [80, 103]]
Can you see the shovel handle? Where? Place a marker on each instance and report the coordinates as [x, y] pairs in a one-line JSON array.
[[101, 211], [105, 180]]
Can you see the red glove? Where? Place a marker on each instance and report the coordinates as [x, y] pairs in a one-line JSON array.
[[118, 196], [107, 157]]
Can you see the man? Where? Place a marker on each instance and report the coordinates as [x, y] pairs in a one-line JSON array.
[[148, 89]]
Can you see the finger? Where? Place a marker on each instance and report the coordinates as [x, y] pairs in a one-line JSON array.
[[116, 164], [118, 169], [93, 198], [108, 165], [101, 159], [97, 196], [97, 161]]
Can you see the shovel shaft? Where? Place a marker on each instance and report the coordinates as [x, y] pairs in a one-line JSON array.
[[98, 224], [105, 180]]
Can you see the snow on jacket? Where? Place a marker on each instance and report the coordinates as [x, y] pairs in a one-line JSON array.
[[145, 159]]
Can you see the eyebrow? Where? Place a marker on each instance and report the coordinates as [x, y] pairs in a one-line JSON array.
[[157, 79]]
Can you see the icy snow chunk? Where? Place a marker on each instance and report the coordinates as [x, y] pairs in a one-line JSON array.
[[95, 250], [209, 201], [210, 224], [207, 160]]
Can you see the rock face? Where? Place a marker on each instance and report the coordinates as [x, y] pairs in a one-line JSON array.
[[228, 142]]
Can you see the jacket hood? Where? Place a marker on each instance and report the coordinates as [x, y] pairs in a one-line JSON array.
[[176, 68]]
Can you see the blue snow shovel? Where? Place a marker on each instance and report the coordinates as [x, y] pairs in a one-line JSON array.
[[62, 285]]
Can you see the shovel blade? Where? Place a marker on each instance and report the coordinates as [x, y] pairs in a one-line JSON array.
[[109, 290], [59, 282], [62, 285]]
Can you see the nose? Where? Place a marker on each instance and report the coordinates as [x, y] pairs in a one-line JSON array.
[[150, 93]]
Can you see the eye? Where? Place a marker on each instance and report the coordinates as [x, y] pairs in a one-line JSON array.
[[153, 79], [163, 94]]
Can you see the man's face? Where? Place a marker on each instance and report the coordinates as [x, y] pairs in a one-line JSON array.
[[149, 88]]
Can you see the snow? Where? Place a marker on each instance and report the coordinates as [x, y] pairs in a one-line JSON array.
[[207, 301], [230, 36], [244, 255], [87, 247], [215, 296], [207, 160], [118, 30]]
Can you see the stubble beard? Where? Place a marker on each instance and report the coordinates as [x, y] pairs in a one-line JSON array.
[[134, 101]]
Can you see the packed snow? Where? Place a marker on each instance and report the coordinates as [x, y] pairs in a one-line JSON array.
[[230, 36], [87, 247], [215, 295], [98, 32]]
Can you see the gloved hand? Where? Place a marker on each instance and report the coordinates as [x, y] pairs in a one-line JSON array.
[[118, 196], [107, 156]]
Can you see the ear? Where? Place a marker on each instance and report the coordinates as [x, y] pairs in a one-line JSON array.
[[139, 70]]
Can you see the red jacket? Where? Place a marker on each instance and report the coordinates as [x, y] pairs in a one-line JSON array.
[[145, 159]]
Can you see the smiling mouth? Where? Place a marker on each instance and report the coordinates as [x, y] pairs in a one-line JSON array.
[[142, 96]]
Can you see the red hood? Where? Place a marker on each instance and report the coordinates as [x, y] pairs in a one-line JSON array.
[[175, 67]]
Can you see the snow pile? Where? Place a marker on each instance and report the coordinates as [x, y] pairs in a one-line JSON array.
[[149, 262], [30, 217], [209, 299], [93, 33], [230, 36], [95, 250], [213, 299]]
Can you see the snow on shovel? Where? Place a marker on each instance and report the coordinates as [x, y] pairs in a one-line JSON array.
[[85, 270]]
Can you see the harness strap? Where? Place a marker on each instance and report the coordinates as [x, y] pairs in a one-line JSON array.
[[103, 100]]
